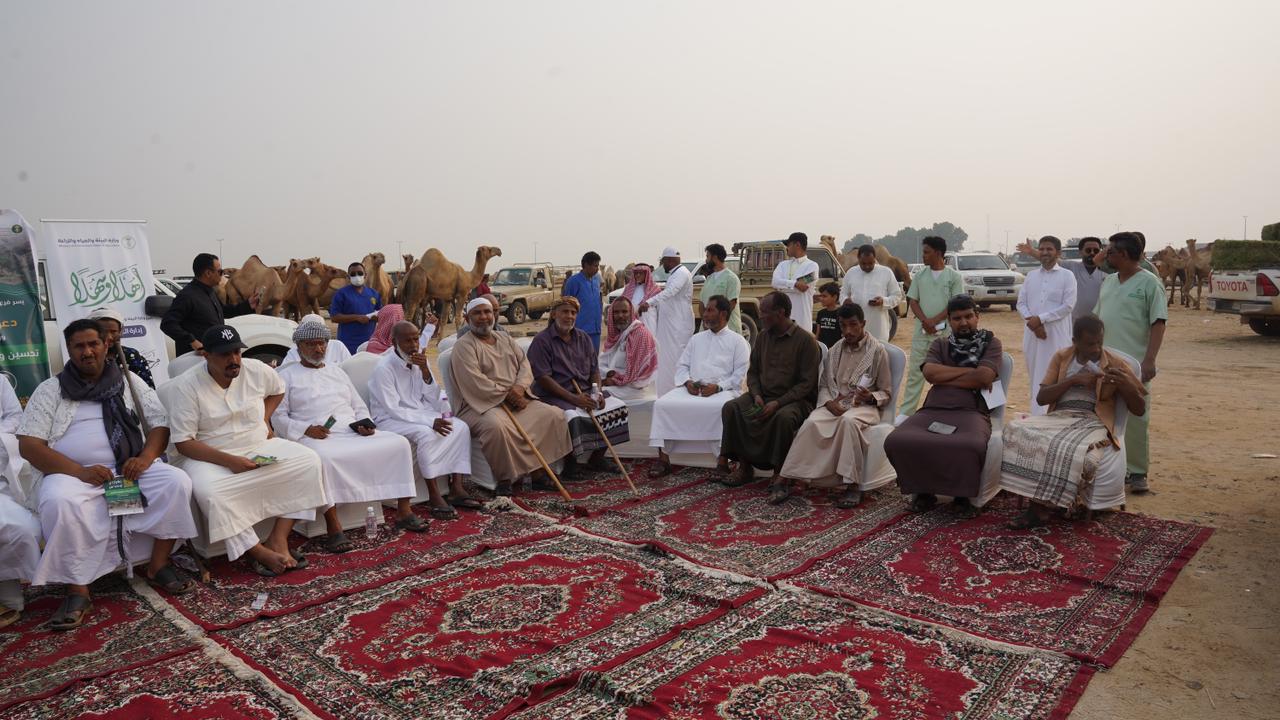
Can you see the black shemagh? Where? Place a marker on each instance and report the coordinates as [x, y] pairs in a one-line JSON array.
[[123, 427], [968, 351]]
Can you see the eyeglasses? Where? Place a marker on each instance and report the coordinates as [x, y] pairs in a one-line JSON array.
[[356, 274]]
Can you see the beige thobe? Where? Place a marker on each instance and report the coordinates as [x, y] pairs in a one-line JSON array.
[[833, 445], [483, 374]]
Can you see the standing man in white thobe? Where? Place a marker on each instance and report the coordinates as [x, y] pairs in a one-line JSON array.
[[407, 400], [710, 373], [322, 410], [19, 529], [674, 306], [82, 429], [797, 278], [875, 289], [1045, 303], [220, 415]]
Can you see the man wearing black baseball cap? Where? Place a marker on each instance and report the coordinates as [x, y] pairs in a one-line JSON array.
[[796, 277], [220, 416]]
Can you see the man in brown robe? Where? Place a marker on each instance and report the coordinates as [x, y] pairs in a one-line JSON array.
[[493, 378], [940, 449], [782, 386]]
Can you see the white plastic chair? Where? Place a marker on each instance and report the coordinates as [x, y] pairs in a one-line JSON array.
[[183, 363], [360, 368], [989, 487]]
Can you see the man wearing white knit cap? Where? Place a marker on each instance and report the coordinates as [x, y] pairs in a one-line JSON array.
[[674, 306], [322, 410]]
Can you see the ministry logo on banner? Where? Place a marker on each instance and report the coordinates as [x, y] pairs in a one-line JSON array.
[[91, 265]]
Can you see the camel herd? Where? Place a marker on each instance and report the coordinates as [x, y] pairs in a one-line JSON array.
[[1184, 268], [306, 285]]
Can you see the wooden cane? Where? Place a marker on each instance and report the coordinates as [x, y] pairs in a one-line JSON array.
[[545, 466], [609, 445]]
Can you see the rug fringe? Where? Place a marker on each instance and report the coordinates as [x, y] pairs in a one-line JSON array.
[[953, 633], [216, 652]]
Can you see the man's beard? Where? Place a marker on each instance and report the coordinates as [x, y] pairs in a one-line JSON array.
[[482, 330], [966, 333], [316, 360], [400, 354]]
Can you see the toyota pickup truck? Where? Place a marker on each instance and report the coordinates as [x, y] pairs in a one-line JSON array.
[[1254, 295]]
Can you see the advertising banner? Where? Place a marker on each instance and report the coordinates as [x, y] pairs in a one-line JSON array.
[[94, 264], [24, 358]]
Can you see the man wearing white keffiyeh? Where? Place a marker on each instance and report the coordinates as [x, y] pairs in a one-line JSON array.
[[854, 385]]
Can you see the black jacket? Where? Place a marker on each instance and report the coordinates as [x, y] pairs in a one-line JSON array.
[[196, 309]]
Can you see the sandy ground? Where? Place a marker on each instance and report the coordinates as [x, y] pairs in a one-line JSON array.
[[1211, 650]]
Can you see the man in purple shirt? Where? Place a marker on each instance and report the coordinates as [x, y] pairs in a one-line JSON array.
[[566, 373]]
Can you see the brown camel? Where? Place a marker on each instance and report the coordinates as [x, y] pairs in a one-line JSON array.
[[376, 277], [434, 278], [294, 294], [323, 281], [256, 278], [1172, 265], [1198, 270]]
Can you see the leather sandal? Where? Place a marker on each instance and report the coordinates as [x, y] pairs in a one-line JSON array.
[[338, 543], [850, 498], [168, 579], [71, 614]]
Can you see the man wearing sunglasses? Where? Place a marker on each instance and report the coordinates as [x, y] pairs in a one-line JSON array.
[[354, 309]]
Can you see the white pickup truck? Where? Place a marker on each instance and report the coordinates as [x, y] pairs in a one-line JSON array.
[[269, 338], [1254, 295]]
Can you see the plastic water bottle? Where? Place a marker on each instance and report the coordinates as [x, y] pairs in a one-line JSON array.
[[370, 522], [595, 391]]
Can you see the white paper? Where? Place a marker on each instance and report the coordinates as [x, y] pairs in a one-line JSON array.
[[259, 602], [994, 396], [425, 336]]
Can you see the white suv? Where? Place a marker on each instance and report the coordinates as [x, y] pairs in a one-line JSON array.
[[987, 278]]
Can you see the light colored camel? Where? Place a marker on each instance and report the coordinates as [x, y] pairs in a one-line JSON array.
[[375, 276], [323, 282], [1198, 270], [1172, 265], [294, 294], [434, 278], [256, 278]]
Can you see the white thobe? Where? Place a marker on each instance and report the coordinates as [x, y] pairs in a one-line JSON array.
[[687, 423], [80, 537], [862, 287], [233, 420], [357, 468], [405, 404], [335, 353], [674, 306], [785, 277], [1049, 295], [19, 529], [650, 319]]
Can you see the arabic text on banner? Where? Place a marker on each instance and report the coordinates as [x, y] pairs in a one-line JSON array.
[[24, 359]]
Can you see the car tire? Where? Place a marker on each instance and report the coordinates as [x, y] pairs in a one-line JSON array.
[[517, 313], [984, 305], [1268, 328], [750, 330], [535, 314]]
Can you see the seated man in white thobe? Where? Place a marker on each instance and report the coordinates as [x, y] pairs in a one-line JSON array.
[[322, 410], [406, 400], [710, 373], [220, 416], [335, 352], [875, 289], [629, 357], [566, 371], [19, 529], [81, 430]]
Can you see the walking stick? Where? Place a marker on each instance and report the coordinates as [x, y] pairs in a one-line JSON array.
[[609, 445], [545, 466]]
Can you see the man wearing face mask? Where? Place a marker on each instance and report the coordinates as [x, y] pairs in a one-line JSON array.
[[354, 308], [940, 449]]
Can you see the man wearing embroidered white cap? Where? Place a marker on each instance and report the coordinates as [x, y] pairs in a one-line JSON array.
[[674, 306], [335, 353]]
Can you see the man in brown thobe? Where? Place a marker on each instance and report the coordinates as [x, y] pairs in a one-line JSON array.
[[941, 449], [782, 387], [493, 377]]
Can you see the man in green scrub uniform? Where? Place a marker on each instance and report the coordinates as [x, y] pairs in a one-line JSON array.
[[721, 281], [931, 289], [1132, 306]]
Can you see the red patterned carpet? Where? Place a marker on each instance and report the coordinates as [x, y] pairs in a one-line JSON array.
[[226, 600], [789, 656], [794, 611], [188, 686], [122, 631], [1085, 589], [485, 634], [736, 529]]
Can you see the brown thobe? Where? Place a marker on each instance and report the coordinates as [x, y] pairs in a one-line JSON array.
[[784, 368], [833, 445], [937, 464], [483, 374]]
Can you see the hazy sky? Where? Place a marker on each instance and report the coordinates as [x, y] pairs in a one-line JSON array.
[[336, 128]]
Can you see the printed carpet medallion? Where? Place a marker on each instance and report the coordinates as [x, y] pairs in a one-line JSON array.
[[1084, 589]]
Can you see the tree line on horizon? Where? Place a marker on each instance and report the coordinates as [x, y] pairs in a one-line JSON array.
[[905, 243]]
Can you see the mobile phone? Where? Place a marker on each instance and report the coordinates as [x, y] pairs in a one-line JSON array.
[[941, 428], [328, 424]]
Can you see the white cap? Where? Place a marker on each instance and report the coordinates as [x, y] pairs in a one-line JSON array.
[[670, 252]]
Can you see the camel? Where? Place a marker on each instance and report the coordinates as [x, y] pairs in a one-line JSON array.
[[294, 296], [1172, 265], [883, 257], [434, 277], [256, 278], [375, 277], [1198, 270], [323, 282]]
